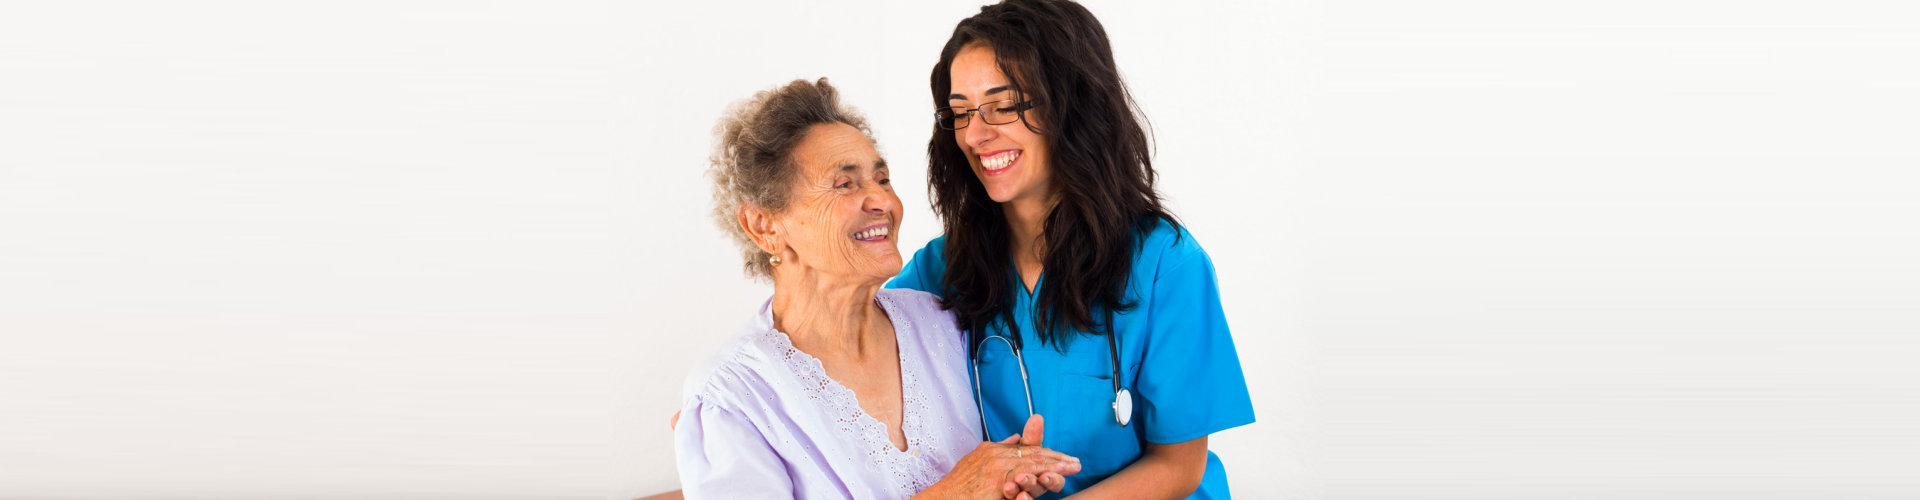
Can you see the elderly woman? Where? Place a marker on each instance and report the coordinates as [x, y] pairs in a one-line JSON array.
[[836, 388]]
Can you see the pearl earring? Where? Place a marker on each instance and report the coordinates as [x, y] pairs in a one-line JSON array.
[[775, 260]]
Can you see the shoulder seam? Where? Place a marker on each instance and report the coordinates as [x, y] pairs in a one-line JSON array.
[[724, 358]]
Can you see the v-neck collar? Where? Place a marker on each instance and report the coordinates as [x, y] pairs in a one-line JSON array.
[[1020, 282], [840, 400]]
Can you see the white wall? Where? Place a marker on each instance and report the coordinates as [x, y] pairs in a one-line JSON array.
[[1479, 249]]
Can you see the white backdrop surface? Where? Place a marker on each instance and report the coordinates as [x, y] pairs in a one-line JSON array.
[[1478, 249]]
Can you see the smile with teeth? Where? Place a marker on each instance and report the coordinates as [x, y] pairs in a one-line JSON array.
[[999, 160], [872, 233]]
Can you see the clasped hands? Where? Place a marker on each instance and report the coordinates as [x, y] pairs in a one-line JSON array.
[[1019, 464], [1021, 467]]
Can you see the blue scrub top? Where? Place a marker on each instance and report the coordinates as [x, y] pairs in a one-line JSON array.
[[1176, 356]]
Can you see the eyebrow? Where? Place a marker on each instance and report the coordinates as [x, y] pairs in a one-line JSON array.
[[991, 91], [877, 165]]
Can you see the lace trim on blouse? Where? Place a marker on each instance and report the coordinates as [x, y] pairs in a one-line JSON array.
[[912, 470]]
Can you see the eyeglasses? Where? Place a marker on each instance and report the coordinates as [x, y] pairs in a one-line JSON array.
[[995, 113]]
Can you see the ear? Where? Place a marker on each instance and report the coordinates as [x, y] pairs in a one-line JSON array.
[[760, 228]]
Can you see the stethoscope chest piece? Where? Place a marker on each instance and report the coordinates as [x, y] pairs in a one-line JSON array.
[[1123, 407]]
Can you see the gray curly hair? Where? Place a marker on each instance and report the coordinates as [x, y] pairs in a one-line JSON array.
[[752, 162]]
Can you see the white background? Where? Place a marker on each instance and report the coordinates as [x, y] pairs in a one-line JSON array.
[[1470, 249]]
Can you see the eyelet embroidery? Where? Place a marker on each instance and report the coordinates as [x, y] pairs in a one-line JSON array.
[[911, 472]]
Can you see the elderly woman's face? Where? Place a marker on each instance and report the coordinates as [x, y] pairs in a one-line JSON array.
[[844, 215]]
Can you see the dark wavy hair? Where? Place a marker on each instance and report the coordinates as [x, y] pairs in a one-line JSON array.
[[1057, 55]]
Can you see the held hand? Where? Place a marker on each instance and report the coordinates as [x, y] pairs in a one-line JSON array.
[[981, 473], [1028, 486]]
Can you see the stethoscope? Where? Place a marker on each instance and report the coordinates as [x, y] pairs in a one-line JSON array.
[[1122, 398]]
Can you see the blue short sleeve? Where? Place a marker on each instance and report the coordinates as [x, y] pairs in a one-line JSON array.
[[1190, 384], [925, 271]]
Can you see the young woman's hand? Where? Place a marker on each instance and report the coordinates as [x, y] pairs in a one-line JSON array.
[[1033, 436], [1009, 468]]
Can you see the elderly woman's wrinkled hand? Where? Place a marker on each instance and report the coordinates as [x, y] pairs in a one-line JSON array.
[[1016, 467], [1032, 436], [1028, 485], [985, 472]]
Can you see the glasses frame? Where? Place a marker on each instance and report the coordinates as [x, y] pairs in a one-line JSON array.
[[1020, 107]]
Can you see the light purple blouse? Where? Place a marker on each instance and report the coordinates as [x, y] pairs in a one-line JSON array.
[[761, 419]]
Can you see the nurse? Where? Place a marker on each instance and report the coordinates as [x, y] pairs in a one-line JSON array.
[[1082, 297]]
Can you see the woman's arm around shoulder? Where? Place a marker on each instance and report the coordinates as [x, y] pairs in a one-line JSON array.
[[924, 271]]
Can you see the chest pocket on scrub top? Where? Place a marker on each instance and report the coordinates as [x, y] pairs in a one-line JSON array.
[[1079, 405]]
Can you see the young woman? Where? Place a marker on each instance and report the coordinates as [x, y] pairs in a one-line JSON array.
[[1083, 299]]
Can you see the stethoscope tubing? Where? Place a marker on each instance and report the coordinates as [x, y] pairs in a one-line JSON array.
[[1122, 399], [978, 396]]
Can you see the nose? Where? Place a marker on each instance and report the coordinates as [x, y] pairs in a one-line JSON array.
[[978, 133], [880, 199]]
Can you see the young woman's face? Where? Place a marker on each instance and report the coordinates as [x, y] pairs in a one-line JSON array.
[[1009, 159], [844, 214]]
